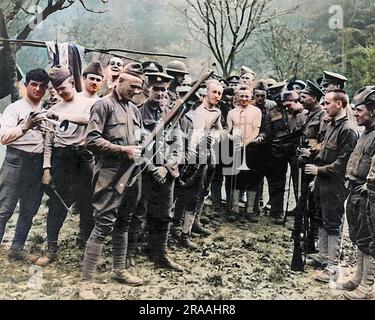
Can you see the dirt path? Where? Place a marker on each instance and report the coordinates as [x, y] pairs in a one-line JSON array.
[[238, 261]]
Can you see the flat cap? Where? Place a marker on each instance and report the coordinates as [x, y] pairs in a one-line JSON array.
[[365, 96]]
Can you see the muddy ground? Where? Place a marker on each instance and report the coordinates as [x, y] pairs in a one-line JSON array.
[[238, 260]]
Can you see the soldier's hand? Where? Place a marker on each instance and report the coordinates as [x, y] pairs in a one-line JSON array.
[[304, 152], [362, 189], [47, 177], [311, 170], [160, 175], [52, 115], [258, 140], [133, 152], [32, 121]]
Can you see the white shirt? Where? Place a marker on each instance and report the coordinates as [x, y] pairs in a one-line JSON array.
[[75, 135], [11, 133]]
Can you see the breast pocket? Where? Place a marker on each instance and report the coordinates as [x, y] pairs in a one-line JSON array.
[[364, 166], [117, 130], [330, 153]]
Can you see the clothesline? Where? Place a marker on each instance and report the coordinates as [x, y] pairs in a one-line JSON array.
[[41, 44]]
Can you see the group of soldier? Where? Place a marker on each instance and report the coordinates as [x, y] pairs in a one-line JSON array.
[[87, 150]]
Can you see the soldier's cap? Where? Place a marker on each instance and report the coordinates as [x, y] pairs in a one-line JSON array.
[[94, 68], [312, 89], [245, 69], [58, 75], [152, 66], [270, 82], [366, 97], [289, 96], [155, 78], [134, 69], [224, 83], [332, 77], [278, 86], [261, 85], [233, 79], [300, 83]]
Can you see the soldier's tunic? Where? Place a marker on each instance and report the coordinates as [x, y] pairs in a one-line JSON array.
[[283, 150], [357, 170], [113, 123], [157, 199], [340, 140]]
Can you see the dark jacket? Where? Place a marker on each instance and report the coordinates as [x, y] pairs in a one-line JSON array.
[[340, 140]]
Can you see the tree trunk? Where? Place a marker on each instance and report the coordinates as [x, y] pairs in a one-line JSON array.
[[8, 70]]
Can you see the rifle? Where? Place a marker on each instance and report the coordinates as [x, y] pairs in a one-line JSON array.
[[175, 113], [297, 263]]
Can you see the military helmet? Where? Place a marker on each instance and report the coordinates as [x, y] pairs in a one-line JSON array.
[[177, 67]]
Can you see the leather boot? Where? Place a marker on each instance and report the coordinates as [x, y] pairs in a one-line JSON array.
[[49, 257], [186, 242], [331, 273], [354, 282], [161, 256], [365, 289], [86, 291], [119, 274], [249, 207], [320, 260], [198, 227], [16, 254]]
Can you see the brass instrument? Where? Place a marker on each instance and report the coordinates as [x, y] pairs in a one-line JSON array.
[[243, 166]]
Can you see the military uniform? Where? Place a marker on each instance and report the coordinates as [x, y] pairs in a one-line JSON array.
[[283, 149], [357, 170], [157, 199]]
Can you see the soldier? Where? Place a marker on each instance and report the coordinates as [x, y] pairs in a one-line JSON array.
[[308, 149], [178, 71], [157, 180], [360, 286], [206, 125], [286, 120], [233, 82], [261, 143], [148, 67], [113, 134], [92, 80], [114, 68], [21, 172], [248, 79], [67, 164], [243, 124], [329, 169]]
